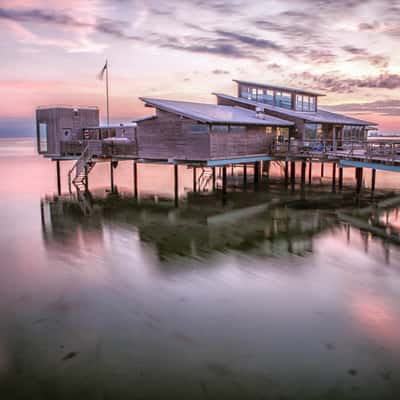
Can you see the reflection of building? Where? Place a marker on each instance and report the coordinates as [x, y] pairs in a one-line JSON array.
[[190, 231]]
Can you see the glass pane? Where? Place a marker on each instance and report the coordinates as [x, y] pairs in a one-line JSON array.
[[43, 137]]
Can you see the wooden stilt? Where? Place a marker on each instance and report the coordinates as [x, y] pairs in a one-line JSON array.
[[244, 174], [214, 179], [286, 171], [176, 187], [267, 168], [373, 179], [333, 175], [256, 172], [58, 177], [340, 178], [310, 172], [135, 179], [322, 169], [224, 180], [293, 171], [359, 173], [303, 172], [194, 180], [112, 176]]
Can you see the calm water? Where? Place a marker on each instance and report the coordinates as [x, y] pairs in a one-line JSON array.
[[278, 294]]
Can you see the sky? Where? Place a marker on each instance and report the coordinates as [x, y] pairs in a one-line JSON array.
[[52, 52]]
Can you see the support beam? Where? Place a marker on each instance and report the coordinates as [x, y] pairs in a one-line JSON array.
[[267, 167], [310, 172], [359, 175], [112, 177], [340, 178], [58, 177], [135, 179], [194, 180], [214, 179], [224, 180], [286, 171], [333, 175], [256, 172], [322, 169], [303, 172], [176, 187], [373, 179], [292, 171], [244, 174]]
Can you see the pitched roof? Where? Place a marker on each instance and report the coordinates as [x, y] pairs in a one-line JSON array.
[[276, 87], [213, 113], [321, 116]]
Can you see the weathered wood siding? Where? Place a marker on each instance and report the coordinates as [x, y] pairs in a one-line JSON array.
[[234, 144], [59, 120], [170, 136]]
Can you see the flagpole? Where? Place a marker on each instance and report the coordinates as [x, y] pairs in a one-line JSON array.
[[108, 105]]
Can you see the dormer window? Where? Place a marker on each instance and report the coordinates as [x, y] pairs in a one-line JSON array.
[[305, 103]]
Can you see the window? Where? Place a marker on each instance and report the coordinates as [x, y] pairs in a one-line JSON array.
[[245, 92], [254, 93], [237, 129], [305, 103], [283, 99], [42, 137], [220, 128], [313, 132], [268, 130], [267, 96], [312, 103], [199, 128]]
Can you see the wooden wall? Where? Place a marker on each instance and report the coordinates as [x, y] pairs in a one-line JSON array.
[[170, 136], [60, 119], [232, 144]]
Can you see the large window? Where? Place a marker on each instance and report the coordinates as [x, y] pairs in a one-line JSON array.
[[353, 133], [305, 103], [42, 137], [283, 99], [313, 132]]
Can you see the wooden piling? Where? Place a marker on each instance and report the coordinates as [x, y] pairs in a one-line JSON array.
[[303, 172], [176, 187], [310, 172], [333, 175], [286, 171], [322, 169], [224, 180], [292, 171], [340, 178], [214, 179], [112, 177], [256, 172], [244, 174], [58, 177], [194, 180], [359, 175], [373, 179], [135, 179]]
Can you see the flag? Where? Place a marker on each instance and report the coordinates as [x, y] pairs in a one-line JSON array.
[[101, 74]]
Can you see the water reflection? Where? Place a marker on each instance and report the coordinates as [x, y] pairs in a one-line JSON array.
[[258, 224]]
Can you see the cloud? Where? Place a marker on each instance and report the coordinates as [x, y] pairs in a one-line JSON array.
[[361, 54], [340, 84], [220, 72], [381, 107], [368, 26]]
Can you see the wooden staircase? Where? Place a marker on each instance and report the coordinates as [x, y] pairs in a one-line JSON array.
[[204, 179]]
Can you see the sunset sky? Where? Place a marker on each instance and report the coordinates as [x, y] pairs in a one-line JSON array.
[[52, 51]]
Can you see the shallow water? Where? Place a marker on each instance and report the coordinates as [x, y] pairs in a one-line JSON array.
[[275, 294]]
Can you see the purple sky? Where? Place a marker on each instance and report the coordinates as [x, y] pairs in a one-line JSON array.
[[53, 50]]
